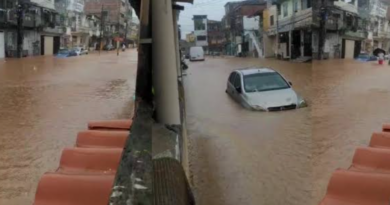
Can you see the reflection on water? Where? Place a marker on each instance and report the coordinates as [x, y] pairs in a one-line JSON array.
[[44, 102]]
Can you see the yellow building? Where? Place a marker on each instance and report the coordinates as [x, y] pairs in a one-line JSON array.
[[190, 37]]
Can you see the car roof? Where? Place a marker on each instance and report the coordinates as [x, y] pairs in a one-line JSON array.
[[253, 70]]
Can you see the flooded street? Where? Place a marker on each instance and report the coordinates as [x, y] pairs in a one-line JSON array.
[[350, 101], [243, 157], [45, 101], [237, 156]]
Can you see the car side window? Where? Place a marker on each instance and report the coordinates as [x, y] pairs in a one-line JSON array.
[[237, 81], [231, 77]]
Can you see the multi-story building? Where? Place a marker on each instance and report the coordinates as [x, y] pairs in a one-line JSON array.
[[342, 32], [115, 15], [200, 31], [237, 24], [294, 23], [374, 12], [215, 36], [268, 30], [39, 32]]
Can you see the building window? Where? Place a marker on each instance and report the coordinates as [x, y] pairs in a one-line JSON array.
[[201, 38], [295, 5], [285, 9], [308, 4], [199, 25], [10, 4], [278, 9], [272, 20]]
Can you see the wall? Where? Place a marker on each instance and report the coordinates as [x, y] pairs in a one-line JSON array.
[[332, 40], [2, 46], [266, 19], [289, 9], [95, 7], [269, 46], [378, 9], [45, 3], [31, 37], [76, 5], [251, 23], [271, 11]]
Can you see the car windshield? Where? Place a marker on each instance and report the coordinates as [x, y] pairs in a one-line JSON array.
[[263, 82]]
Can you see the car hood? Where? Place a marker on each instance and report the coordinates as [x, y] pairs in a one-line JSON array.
[[272, 98]]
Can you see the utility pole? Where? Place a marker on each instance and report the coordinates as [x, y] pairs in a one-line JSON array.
[[119, 23], [322, 31], [20, 34], [101, 29]]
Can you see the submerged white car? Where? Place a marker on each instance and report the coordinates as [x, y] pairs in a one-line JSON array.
[[263, 89], [81, 51]]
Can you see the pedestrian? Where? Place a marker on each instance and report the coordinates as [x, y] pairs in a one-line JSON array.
[[380, 59]]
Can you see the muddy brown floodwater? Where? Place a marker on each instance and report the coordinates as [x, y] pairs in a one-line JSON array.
[[45, 101], [243, 157], [257, 158], [351, 101]]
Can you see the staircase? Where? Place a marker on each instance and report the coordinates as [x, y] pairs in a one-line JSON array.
[[255, 39]]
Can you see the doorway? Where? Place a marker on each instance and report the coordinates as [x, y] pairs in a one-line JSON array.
[[358, 48], [56, 44], [307, 38], [296, 44], [42, 45]]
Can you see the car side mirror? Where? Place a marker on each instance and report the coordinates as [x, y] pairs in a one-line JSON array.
[[239, 90], [290, 83]]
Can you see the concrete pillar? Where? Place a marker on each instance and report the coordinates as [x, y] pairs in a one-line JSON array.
[[164, 63], [302, 43], [177, 47], [290, 42]]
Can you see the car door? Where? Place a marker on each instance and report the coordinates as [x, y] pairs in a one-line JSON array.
[[230, 84], [237, 84]]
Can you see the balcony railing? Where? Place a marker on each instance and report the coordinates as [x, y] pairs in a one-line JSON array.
[[355, 34], [302, 18]]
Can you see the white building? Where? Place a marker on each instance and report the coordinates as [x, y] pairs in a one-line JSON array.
[[375, 11], [200, 30]]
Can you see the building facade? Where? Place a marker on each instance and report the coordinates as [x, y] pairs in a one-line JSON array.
[[294, 28], [241, 27], [215, 36], [29, 28], [115, 16], [200, 31], [375, 14]]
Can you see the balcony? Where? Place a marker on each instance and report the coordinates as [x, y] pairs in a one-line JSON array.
[[300, 19], [55, 30], [381, 35], [359, 34], [80, 30]]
